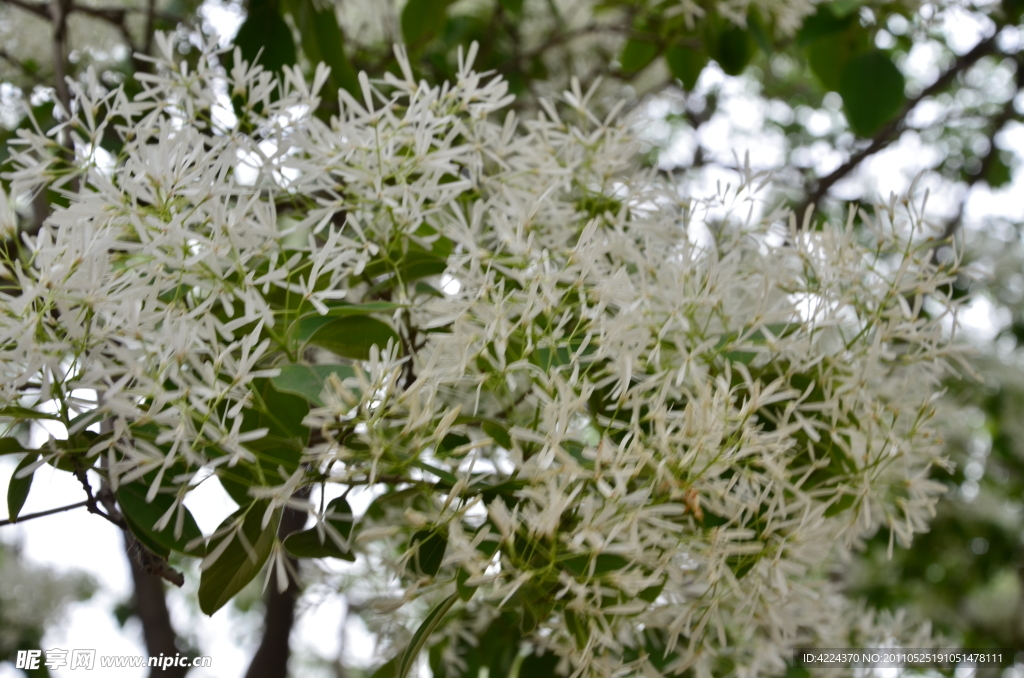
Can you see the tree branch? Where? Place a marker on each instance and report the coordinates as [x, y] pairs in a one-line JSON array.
[[59, 17], [891, 131], [1005, 115], [149, 604], [38, 9], [20, 65], [146, 559], [41, 514]]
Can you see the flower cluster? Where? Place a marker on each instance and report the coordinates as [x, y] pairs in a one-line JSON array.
[[637, 424]]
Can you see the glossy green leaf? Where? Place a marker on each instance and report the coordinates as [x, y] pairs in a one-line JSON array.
[[350, 337], [388, 669], [323, 41], [308, 381], [842, 504], [311, 544], [651, 593], [829, 55], [464, 590], [576, 627], [821, 24], [18, 413], [445, 476], [1014, 10], [844, 8], [539, 665], [395, 501], [236, 481], [686, 64], [873, 92], [450, 443], [342, 310], [264, 37], [17, 490], [429, 546], [11, 445], [637, 54], [498, 432], [603, 563], [279, 412], [143, 515], [74, 455], [242, 558], [512, 6], [422, 19], [426, 628], [998, 173], [734, 49]]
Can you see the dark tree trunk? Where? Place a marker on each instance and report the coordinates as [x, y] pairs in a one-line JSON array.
[[150, 606], [271, 658]]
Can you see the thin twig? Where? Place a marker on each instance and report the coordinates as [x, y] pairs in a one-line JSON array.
[[14, 61], [149, 561], [59, 18], [42, 514], [891, 131], [38, 9], [93, 505], [1005, 115]]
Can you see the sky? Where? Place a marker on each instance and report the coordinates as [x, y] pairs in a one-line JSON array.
[[76, 541]]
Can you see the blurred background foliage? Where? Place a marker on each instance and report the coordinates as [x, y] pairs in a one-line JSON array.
[[842, 100]]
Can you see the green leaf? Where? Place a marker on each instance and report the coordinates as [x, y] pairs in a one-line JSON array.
[[310, 544], [422, 19], [637, 54], [872, 90], [73, 455], [576, 627], [651, 593], [265, 37], [445, 476], [387, 669], [142, 515], [499, 433], [18, 413], [247, 550], [464, 590], [734, 49], [429, 546], [342, 310], [821, 24], [829, 55], [17, 490], [450, 443], [512, 6], [323, 41], [759, 31], [236, 481], [308, 381], [419, 638], [11, 445], [280, 412], [540, 665], [844, 8], [1014, 10], [604, 563], [998, 173], [686, 64], [844, 503], [349, 337]]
